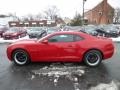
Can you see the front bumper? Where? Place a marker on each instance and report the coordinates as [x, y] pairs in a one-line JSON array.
[[8, 37]]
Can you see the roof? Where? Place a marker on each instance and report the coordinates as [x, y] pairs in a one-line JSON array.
[[99, 5], [72, 32]]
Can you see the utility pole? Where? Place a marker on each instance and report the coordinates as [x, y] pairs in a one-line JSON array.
[[83, 12]]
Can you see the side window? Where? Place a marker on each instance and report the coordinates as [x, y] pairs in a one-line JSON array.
[[62, 38], [53, 39], [77, 38]]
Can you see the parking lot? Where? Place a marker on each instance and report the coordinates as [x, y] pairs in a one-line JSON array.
[[59, 76], [60, 45]]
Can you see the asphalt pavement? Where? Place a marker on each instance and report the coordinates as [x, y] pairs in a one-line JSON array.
[[60, 76]]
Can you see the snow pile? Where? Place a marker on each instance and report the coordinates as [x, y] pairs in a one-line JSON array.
[[61, 71], [57, 71], [111, 86], [116, 39], [27, 37], [11, 41]]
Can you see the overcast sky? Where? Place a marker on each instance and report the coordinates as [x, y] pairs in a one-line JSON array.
[[67, 7]]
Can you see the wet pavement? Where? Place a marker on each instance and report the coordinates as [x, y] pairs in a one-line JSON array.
[[59, 76]]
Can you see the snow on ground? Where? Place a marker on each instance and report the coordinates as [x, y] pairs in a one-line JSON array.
[[116, 39], [11, 41], [56, 70], [113, 85], [26, 37]]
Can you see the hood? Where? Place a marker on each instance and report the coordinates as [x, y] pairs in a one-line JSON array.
[[9, 33]]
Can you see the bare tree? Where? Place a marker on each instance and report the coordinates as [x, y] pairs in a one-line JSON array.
[[77, 20], [15, 17], [117, 15], [51, 12], [24, 18], [39, 16], [30, 17]]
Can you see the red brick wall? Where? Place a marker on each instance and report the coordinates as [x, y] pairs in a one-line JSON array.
[[101, 14]]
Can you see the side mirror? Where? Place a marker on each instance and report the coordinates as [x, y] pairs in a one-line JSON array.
[[45, 41]]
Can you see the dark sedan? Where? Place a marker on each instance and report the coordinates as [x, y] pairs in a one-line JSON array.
[[91, 30], [36, 32], [108, 31]]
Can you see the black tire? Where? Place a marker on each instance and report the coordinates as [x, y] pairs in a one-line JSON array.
[[93, 58], [20, 57]]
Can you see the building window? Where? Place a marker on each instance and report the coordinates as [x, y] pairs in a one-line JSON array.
[[100, 12]]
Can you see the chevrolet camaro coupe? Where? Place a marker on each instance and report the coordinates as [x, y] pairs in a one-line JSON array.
[[62, 47]]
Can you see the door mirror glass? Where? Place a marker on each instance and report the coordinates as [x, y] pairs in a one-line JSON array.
[[45, 41]]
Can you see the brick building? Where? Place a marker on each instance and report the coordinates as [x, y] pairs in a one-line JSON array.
[[101, 14]]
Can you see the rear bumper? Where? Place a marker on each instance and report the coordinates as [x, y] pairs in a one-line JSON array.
[[108, 52]]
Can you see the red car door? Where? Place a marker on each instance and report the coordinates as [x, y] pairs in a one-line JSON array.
[[69, 51], [48, 52], [67, 47]]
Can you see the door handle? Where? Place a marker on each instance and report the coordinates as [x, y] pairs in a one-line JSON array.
[[71, 46]]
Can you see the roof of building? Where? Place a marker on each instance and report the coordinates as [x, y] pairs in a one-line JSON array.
[[99, 5]]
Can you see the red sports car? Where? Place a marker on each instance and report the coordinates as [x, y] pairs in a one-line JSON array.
[[62, 47]]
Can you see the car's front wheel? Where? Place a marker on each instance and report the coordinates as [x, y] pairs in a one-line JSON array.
[[93, 58], [20, 57]]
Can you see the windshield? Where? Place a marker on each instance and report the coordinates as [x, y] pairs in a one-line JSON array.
[[51, 31], [39, 40], [35, 29], [13, 30]]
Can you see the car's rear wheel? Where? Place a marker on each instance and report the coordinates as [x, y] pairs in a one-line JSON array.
[[20, 57], [93, 58]]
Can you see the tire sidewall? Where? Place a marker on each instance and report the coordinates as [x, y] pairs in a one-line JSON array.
[[97, 63], [23, 51]]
